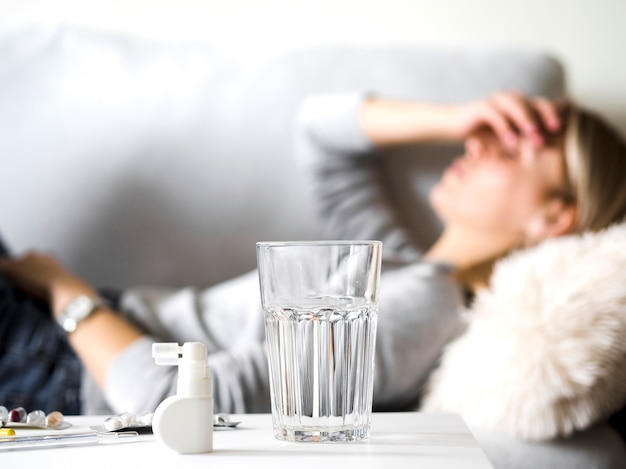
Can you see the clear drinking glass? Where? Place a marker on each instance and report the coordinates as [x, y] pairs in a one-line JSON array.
[[320, 301]]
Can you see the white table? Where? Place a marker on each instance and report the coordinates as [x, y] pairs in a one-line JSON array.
[[398, 440]]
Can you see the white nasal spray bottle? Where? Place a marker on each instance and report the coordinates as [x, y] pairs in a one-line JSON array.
[[184, 422]]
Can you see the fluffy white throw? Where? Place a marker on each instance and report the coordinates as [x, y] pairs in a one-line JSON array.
[[544, 352]]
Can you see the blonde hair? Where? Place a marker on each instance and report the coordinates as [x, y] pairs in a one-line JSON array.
[[595, 157]]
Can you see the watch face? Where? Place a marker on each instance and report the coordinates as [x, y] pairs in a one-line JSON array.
[[79, 308]]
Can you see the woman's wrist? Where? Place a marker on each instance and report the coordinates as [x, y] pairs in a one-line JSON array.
[[394, 122], [66, 289]]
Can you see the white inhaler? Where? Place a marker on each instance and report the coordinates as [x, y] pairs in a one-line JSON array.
[[184, 423]]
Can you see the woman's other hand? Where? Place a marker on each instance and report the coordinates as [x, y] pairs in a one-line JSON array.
[[100, 338], [44, 277]]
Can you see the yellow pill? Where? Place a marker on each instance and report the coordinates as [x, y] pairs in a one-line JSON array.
[[7, 432]]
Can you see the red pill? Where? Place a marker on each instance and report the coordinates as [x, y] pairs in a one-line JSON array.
[[17, 415]]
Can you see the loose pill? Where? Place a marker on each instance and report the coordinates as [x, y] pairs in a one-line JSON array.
[[17, 415], [36, 418], [113, 424], [54, 419]]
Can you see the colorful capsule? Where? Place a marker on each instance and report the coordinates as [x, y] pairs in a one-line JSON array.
[[17, 415], [54, 419]]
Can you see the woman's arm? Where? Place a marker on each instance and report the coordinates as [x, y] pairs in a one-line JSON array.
[[101, 337], [341, 171], [389, 122], [227, 318]]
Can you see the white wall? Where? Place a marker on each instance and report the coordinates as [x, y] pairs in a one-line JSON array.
[[588, 36]]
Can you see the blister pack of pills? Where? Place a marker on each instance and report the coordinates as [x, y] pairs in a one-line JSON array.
[[19, 417], [142, 423]]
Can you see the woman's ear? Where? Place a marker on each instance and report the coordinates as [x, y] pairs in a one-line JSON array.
[[555, 218]]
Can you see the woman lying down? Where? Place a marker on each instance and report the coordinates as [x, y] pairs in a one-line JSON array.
[[538, 194]]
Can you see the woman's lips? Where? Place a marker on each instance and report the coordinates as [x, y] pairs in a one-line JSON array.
[[457, 167]]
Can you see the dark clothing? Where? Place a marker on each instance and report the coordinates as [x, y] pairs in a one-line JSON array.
[[38, 368]]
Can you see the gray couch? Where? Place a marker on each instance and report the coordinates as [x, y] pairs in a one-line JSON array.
[[146, 162]]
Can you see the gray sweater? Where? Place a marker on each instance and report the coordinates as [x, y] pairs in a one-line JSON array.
[[418, 301]]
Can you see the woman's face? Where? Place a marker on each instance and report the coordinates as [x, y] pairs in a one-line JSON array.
[[496, 190]]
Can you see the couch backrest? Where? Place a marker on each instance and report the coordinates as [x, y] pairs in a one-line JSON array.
[[140, 161]]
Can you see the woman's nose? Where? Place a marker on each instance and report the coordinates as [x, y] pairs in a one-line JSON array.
[[474, 147]]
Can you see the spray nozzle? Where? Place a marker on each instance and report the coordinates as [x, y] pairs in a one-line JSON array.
[[170, 353], [191, 358], [166, 353]]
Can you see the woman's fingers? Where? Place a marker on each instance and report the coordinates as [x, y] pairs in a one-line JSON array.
[[551, 112], [521, 113], [499, 123], [33, 272], [531, 118]]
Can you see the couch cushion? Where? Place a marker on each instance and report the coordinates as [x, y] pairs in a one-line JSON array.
[[143, 161]]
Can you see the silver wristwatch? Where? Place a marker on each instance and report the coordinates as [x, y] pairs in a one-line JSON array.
[[77, 310]]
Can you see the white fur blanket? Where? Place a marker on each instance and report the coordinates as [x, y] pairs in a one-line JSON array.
[[544, 352]]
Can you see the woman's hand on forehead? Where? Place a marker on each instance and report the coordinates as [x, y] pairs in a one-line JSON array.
[[511, 115]]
